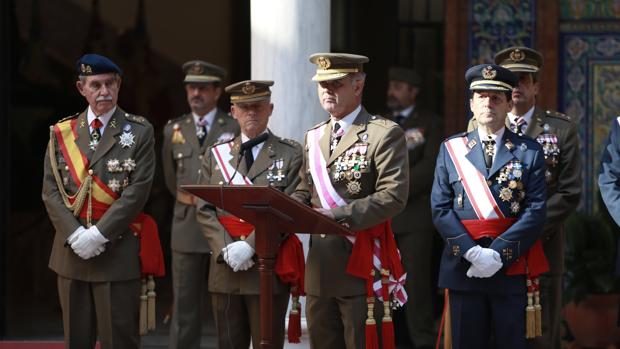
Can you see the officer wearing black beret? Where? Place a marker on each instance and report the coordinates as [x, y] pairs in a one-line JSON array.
[[98, 171], [488, 204]]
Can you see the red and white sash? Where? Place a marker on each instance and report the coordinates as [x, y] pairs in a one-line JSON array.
[[330, 198], [222, 156], [475, 185]]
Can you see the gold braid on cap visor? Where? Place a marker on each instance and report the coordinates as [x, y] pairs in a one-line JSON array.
[[485, 83]]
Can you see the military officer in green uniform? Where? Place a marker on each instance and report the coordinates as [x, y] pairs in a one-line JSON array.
[[98, 171], [356, 172], [414, 227], [256, 157], [557, 133], [185, 140]]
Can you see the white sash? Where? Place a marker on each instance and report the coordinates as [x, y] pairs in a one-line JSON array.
[[618, 119], [330, 199], [475, 185], [222, 156]]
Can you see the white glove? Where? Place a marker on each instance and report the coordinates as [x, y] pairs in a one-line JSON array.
[[245, 266], [71, 239], [485, 262], [89, 243], [237, 254]]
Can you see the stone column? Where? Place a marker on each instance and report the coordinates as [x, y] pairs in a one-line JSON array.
[[284, 34]]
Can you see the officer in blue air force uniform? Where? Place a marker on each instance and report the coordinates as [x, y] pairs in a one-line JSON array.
[[609, 177], [488, 204]]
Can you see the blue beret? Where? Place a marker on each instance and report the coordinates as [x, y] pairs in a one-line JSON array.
[[93, 64], [490, 77]]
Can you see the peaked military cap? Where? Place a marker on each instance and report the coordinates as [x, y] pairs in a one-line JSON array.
[[407, 75], [201, 71], [249, 91], [334, 66], [520, 59], [94, 64], [490, 77]]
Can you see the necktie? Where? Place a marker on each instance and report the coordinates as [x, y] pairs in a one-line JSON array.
[[336, 135], [489, 150], [247, 149], [399, 119], [201, 130], [518, 126], [95, 135]]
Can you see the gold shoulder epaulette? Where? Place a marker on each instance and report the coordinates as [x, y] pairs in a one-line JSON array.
[[69, 117], [557, 114], [136, 118], [319, 124], [290, 142], [178, 118]]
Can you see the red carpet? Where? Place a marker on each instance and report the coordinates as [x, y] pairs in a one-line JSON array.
[[33, 345]]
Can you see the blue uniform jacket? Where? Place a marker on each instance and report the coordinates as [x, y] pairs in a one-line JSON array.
[[609, 177], [526, 202]]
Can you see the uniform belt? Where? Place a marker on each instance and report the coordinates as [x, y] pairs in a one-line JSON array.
[[532, 262], [186, 198]]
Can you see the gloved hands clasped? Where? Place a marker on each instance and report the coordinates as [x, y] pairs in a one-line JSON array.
[[238, 255], [485, 262], [87, 243]]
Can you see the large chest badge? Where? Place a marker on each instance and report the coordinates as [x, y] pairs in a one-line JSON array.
[[511, 189]]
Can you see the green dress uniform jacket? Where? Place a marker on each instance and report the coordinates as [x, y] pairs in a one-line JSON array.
[[235, 295], [100, 296], [383, 193], [181, 163], [222, 279], [120, 260]]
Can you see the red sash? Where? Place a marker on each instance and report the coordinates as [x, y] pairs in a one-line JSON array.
[[151, 254], [533, 262]]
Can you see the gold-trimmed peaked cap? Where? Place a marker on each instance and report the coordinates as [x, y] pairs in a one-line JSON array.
[[198, 71], [334, 66], [520, 59], [490, 77], [249, 91]]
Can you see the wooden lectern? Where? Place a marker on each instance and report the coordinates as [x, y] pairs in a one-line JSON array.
[[272, 213]]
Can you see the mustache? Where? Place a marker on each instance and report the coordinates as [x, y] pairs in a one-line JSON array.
[[104, 98]]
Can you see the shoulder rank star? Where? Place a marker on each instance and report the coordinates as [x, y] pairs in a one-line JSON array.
[[127, 139]]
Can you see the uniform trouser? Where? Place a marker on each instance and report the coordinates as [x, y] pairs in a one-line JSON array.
[[108, 310], [189, 274], [416, 251], [237, 320], [476, 314], [551, 294], [339, 322]]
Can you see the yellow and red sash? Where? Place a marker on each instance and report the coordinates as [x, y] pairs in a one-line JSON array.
[[102, 197]]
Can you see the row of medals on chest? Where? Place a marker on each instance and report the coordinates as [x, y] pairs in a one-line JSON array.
[[349, 166], [113, 166], [511, 189]]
